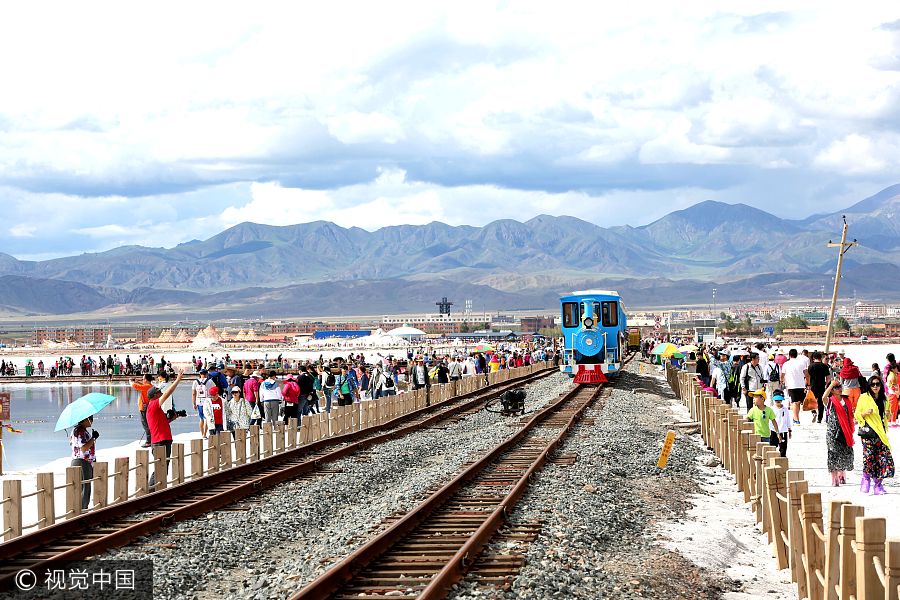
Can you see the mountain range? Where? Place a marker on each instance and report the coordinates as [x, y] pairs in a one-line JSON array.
[[320, 268]]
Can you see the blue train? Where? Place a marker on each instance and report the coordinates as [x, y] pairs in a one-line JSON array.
[[594, 327]]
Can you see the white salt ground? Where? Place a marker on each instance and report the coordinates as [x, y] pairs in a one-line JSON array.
[[720, 533]]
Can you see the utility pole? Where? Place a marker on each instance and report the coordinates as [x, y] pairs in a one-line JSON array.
[[843, 247]]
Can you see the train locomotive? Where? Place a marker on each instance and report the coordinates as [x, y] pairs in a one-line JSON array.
[[595, 330]]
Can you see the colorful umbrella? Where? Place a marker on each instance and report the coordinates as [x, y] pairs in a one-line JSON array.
[[483, 347], [678, 355], [665, 349], [81, 409]]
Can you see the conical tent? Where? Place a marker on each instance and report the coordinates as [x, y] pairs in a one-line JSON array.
[[405, 331]]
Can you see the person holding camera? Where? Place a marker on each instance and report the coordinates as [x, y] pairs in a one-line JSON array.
[[158, 420], [84, 454]]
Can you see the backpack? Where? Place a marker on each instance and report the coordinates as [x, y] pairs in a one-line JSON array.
[[774, 372], [388, 381], [329, 379], [731, 382]]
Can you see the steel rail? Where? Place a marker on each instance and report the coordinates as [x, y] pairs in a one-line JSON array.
[[200, 496], [342, 574], [345, 571]]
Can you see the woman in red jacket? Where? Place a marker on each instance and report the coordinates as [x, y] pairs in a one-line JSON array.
[[291, 393]]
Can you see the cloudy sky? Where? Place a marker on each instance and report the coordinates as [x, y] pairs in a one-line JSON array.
[[157, 127]]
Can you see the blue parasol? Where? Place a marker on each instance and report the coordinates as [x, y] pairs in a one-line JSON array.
[[81, 409]]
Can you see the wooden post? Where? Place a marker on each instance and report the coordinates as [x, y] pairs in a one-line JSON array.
[[847, 583], [196, 459], [292, 431], [870, 534], [160, 472], [254, 443], [212, 454], [73, 492], [279, 437], [120, 480], [12, 508], [775, 485], [746, 464], [734, 445], [267, 439], [832, 550], [758, 455], [177, 463], [225, 450], [141, 473], [306, 431], [892, 569], [101, 486], [796, 489], [45, 498], [813, 550], [240, 446], [742, 468]]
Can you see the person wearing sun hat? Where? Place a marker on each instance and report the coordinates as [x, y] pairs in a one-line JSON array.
[[763, 418], [782, 422]]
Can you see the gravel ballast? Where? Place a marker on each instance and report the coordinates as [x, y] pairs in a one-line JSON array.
[[294, 532], [598, 536]]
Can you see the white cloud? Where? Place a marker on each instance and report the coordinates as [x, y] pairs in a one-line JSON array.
[[857, 154], [473, 111], [22, 230]]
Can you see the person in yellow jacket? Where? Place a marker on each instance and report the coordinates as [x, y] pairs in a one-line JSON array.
[[871, 415]]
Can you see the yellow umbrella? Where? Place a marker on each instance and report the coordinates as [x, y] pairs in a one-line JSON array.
[[688, 348], [665, 349]]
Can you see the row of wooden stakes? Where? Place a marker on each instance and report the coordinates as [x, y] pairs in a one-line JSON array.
[[221, 451], [850, 558]]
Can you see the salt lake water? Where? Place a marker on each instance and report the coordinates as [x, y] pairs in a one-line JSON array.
[[35, 408]]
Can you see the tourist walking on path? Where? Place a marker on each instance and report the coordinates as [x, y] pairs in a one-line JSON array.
[[214, 409], [142, 386], [251, 395], [199, 394], [891, 364], [819, 376], [850, 377], [238, 411], [892, 389], [870, 415], [752, 379], [270, 396], [84, 454], [782, 422], [290, 391], [839, 426], [795, 379]]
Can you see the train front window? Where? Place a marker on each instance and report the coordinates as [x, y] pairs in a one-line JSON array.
[[610, 312], [570, 314]]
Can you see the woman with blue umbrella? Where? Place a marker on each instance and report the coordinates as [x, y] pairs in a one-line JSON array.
[[84, 454], [80, 413]]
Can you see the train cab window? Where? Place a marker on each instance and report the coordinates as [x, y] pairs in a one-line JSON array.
[[610, 312], [570, 314]]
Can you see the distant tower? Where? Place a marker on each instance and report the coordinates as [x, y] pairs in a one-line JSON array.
[[468, 307], [444, 306]]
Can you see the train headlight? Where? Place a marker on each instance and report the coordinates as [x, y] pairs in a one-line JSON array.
[[588, 322]]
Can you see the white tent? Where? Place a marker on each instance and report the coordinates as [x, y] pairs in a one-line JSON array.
[[406, 331]]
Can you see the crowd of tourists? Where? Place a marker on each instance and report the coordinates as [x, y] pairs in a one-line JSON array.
[[229, 395], [830, 387]]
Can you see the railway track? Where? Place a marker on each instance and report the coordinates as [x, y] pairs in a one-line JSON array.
[[424, 552], [100, 530]]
